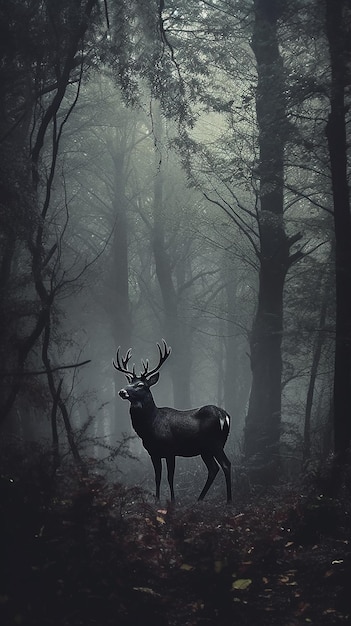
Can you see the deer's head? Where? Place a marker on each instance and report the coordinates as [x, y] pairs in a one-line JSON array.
[[138, 387]]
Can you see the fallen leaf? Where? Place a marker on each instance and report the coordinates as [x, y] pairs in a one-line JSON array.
[[186, 567], [241, 583], [284, 579]]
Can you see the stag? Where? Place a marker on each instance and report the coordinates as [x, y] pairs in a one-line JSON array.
[[167, 432]]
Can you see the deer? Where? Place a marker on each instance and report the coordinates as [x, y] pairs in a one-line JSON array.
[[167, 432]]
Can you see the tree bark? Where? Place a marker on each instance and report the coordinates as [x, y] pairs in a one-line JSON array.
[[338, 33], [320, 339], [262, 429]]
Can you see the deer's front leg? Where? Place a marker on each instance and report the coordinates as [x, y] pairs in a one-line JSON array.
[[170, 460], [156, 461]]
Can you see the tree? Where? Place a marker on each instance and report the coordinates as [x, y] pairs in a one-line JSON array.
[[264, 193], [338, 33], [51, 67], [176, 331], [262, 429]]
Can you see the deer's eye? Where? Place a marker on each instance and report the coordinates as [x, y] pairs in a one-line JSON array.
[[140, 385]]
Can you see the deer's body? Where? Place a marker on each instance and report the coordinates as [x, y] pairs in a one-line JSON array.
[[167, 432], [182, 433]]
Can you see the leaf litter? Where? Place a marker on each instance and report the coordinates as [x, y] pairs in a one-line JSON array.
[[114, 557]]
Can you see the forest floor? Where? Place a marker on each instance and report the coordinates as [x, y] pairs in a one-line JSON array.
[[104, 554]]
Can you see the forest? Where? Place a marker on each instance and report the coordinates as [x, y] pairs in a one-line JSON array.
[[175, 208]]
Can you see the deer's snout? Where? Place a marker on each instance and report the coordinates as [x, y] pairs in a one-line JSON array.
[[124, 394]]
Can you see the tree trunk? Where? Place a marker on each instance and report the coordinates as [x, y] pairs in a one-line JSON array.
[[314, 371], [118, 279], [337, 26], [177, 334], [262, 429], [58, 401], [119, 273], [236, 378], [24, 137], [56, 460]]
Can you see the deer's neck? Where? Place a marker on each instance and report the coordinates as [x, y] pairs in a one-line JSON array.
[[143, 413]]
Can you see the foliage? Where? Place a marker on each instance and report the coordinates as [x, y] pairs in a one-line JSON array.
[[83, 550]]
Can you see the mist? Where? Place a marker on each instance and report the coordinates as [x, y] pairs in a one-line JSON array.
[[178, 172]]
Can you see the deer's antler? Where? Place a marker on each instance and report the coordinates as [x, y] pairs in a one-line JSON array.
[[123, 366], [121, 363], [164, 352]]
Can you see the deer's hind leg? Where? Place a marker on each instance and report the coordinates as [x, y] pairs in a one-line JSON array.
[[225, 464], [212, 467]]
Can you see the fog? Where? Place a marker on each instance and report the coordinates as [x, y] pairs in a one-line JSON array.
[[168, 205], [175, 312]]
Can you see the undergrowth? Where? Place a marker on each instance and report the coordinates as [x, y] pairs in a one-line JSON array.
[[80, 549]]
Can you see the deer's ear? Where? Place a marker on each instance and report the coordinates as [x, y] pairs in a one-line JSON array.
[[153, 379]]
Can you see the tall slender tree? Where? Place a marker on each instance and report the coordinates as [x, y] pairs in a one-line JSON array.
[[338, 31], [177, 333]]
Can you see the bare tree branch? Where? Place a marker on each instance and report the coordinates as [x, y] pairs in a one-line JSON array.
[[46, 371]]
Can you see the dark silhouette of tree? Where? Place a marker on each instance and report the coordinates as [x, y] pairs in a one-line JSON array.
[[45, 54], [263, 422], [325, 288], [338, 31]]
